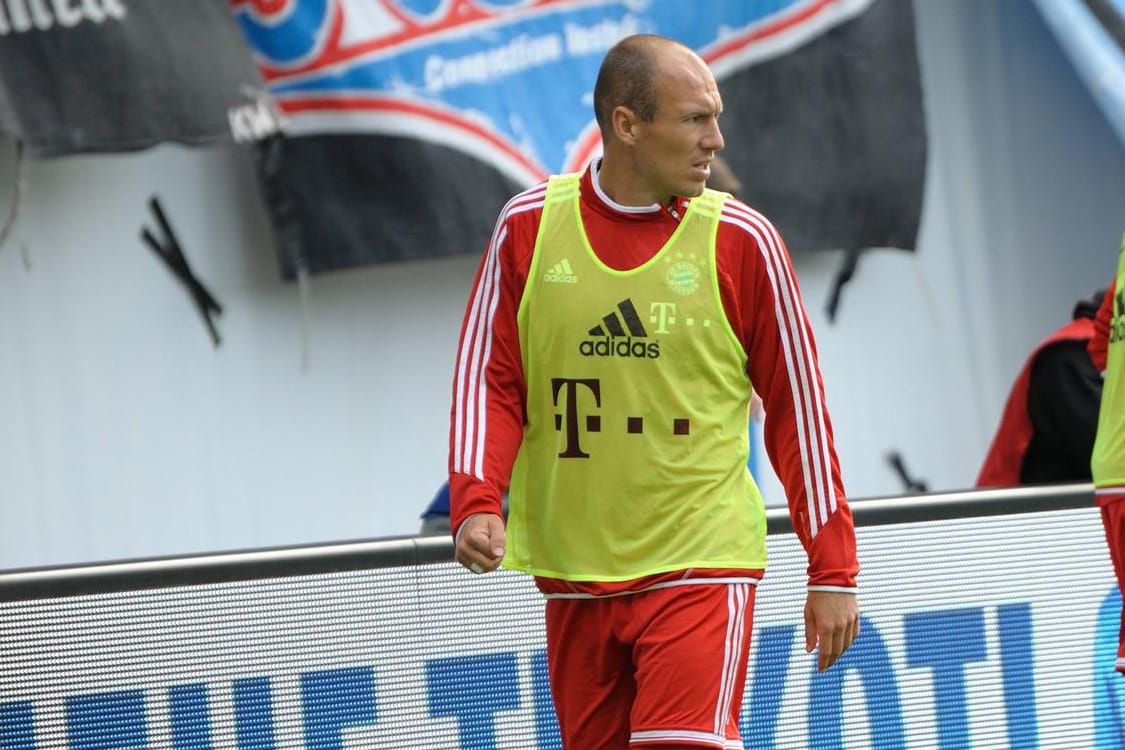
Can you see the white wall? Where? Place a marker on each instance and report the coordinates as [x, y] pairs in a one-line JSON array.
[[123, 433], [126, 434]]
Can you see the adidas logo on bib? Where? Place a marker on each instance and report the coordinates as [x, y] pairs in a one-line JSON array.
[[560, 273], [619, 335]]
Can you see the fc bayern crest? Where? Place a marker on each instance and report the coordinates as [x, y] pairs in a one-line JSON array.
[[684, 276]]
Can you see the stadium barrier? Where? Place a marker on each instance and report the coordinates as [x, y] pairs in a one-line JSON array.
[[989, 620]]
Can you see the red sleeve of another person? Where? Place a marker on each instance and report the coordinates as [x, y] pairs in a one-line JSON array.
[[1098, 346]]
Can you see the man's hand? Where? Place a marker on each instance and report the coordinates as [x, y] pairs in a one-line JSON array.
[[832, 620], [480, 542]]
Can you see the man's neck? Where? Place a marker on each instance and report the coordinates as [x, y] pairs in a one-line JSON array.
[[613, 197]]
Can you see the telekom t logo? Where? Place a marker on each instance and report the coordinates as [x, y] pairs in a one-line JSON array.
[[570, 414], [568, 420], [662, 314]]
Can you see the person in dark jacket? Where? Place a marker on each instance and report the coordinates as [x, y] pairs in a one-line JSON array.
[[1046, 433]]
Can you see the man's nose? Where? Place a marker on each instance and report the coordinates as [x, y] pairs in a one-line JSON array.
[[713, 138]]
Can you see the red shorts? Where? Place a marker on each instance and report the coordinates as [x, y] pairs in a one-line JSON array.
[[1113, 519], [665, 666]]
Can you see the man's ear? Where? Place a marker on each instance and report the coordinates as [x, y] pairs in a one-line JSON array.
[[625, 124]]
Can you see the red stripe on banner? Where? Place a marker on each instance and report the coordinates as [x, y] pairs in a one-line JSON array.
[[768, 30], [337, 31], [382, 104], [266, 7]]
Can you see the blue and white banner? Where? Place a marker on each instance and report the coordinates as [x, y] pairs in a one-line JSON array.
[[450, 106], [1092, 32], [980, 633], [508, 82]]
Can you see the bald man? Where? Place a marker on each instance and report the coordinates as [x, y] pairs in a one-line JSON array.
[[619, 321]]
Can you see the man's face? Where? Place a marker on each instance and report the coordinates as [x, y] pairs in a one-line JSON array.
[[674, 150]]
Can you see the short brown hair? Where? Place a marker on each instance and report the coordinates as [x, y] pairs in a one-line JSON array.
[[627, 77]]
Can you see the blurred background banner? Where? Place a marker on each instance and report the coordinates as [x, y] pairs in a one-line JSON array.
[[402, 127], [1092, 32], [119, 75]]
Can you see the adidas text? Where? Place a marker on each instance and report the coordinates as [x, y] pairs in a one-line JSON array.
[[608, 347], [561, 273]]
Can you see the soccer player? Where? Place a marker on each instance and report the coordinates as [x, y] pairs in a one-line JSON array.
[[1107, 464], [619, 321]]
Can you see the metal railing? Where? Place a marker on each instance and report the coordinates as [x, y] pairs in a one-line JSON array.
[[279, 562]]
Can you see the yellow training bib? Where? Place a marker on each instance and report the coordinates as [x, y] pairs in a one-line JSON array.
[[634, 458]]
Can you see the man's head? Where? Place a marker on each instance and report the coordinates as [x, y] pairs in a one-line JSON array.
[[657, 105]]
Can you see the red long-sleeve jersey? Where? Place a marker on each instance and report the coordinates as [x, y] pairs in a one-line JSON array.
[[1098, 346], [761, 299]]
